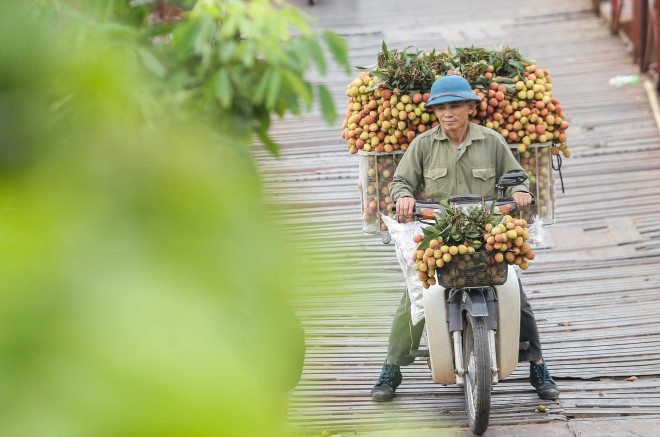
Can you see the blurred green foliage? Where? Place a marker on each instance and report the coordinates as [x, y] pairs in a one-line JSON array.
[[235, 63], [143, 279]]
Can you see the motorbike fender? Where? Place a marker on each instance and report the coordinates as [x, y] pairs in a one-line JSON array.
[[508, 326], [474, 302], [441, 350]]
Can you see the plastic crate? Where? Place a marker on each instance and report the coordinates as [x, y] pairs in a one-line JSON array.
[[376, 172], [375, 177], [536, 160], [477, 269]]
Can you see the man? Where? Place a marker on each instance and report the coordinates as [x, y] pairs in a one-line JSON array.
[[456, 157]]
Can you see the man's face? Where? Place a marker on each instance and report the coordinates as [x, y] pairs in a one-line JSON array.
[[454, 116]]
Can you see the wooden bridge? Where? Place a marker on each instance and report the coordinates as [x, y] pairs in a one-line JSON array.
[[595, 291]]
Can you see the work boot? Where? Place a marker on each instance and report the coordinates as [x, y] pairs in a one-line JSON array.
[[540, 378], [389, 380]]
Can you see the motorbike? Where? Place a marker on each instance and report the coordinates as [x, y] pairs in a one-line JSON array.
[[472, 319]]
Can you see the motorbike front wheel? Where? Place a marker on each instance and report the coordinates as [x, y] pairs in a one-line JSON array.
[[476, 359]]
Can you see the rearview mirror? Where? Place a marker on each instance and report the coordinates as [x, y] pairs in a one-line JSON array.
[[511, 179]]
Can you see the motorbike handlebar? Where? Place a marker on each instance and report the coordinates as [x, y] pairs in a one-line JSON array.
[[427, 210]]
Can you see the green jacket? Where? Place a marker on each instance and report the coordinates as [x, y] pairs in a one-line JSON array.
[[432, 160]]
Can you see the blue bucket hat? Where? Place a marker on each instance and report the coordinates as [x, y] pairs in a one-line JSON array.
[[451, 88]]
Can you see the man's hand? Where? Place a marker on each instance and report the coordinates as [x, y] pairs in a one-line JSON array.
[[523, 200], [405, 206]]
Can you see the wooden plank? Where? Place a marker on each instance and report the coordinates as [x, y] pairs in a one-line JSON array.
[[604, 280]]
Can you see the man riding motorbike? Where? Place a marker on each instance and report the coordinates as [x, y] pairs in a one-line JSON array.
[[456, 157]]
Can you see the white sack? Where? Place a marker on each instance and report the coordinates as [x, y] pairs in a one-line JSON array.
[[402, 235]]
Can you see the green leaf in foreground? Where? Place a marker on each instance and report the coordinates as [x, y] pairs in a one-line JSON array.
[[223, 89], [315, 48], [151, 62], [271, 145], [327, 107], [339, 49]]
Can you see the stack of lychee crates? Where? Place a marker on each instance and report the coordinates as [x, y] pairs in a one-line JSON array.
[[377, 170]]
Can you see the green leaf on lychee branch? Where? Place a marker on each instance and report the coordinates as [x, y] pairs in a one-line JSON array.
[[505, 81], [379, 74], [426, 241], [510, 89], [374, 86], [430, 231], [445, 230], [482, 83], [517, 65], [476, 244]]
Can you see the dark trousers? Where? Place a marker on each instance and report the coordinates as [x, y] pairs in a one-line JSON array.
[[405, 336]]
